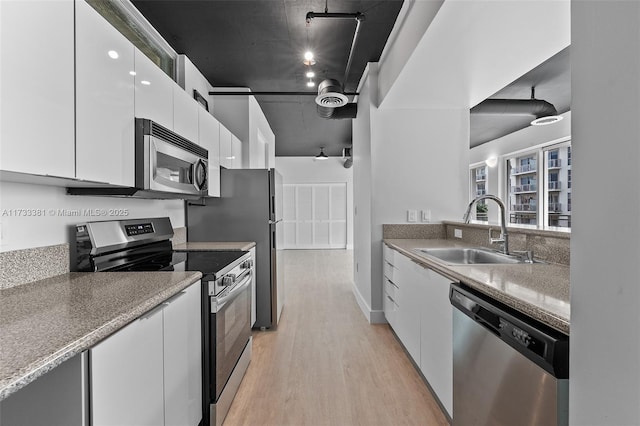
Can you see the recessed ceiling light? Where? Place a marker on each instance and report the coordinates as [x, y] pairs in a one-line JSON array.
[[113, 54], [308, 55], [310, 74], [145, 82], [543, 121], [310, 83]]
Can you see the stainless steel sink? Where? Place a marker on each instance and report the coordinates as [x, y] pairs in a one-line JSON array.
[[469, 256]]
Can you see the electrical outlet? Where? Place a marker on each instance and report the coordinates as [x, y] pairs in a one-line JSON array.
[[457, 233], [426, 216], [412, 215]]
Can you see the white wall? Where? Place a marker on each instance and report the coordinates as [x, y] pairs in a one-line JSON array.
[[60, 210], [361, 151], [605, 235], [412, 22], [307, 170], [261, 138], [418, 160]]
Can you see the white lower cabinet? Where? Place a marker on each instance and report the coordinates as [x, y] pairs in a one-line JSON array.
[[149, 372], [436, 337], [416, 305]]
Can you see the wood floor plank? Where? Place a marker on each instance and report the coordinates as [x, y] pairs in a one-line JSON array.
[[325, 364]]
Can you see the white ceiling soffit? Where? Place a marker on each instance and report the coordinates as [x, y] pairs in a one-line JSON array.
[[473, 48]]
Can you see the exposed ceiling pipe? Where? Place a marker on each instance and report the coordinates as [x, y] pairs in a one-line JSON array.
[[331, 98], [535, 107]]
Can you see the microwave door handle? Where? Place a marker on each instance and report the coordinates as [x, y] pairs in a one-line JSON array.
[[199, 174], [221, 301]]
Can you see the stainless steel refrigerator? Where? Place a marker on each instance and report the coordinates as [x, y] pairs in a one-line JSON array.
[[249, 209]]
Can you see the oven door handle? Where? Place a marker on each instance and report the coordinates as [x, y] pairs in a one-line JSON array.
[[235, 292]]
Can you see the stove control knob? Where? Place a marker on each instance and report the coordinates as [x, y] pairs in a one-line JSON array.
[[228, 280], [247, 264]]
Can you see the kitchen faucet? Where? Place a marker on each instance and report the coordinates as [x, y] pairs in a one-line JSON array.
[[504, 236]]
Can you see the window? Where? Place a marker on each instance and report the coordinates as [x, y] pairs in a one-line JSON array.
[[478, 188], [131, 24], [523, 189], [540, 196], [558, 173]]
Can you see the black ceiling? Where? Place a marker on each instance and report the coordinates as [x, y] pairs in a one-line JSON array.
[[552, 82], [260, 45]]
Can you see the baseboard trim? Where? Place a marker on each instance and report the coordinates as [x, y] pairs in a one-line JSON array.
[[374, 317]]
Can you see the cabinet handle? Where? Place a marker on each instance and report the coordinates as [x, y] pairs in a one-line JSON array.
[[389, 297], [174, 297], [392, 283], [152, 312], [387, 262]]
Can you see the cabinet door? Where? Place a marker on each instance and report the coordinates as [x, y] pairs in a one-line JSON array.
[[436, 351], [182, 358], [185, 114], [127, 375], [409, 301], [104, 99], [209, 137], [37, 80], [226, 151], [153, 92], [236, 152]]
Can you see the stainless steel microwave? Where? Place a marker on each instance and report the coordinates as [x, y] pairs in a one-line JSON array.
[[167, 162], [166, 166]]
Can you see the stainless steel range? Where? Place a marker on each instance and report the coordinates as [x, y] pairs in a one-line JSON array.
[[144, 245]]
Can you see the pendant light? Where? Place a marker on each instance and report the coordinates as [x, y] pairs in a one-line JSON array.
[[322, 155]]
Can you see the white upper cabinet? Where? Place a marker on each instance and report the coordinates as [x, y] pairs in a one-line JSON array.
[[37, 85], [153, 92], [236, 152], [209, 137], [226, 147], [104, 100], [185, 114]]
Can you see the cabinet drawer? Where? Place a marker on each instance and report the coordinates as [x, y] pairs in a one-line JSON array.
[[390, 272], [390, 310], [388, 254], [390, 289]]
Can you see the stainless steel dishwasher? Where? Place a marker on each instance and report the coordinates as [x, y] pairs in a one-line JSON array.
[[508, 369]]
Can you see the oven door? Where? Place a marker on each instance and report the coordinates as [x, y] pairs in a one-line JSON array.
[[230, 330], [173, 169]]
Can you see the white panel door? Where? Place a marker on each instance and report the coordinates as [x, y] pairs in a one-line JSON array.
[[37, 85], [104, 100], [226, 150], [127, 375], [315, 216], [185, 114], [153, 92], [182, 359]]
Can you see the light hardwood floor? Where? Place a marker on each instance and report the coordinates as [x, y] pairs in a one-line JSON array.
[[325, 364]]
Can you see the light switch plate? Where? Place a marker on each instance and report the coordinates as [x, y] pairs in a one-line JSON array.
[[412, 215], [426, 216], [457, 233]]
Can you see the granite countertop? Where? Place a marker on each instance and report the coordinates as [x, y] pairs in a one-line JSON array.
[[46, 322], [539, 290], [215, 246]]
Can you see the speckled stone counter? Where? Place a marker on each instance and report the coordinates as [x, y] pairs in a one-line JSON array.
[[539, 290], [215, 246], [46, 322]]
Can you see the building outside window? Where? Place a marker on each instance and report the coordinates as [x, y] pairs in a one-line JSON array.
[[523, 189], [478, 188], [558, 173]]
